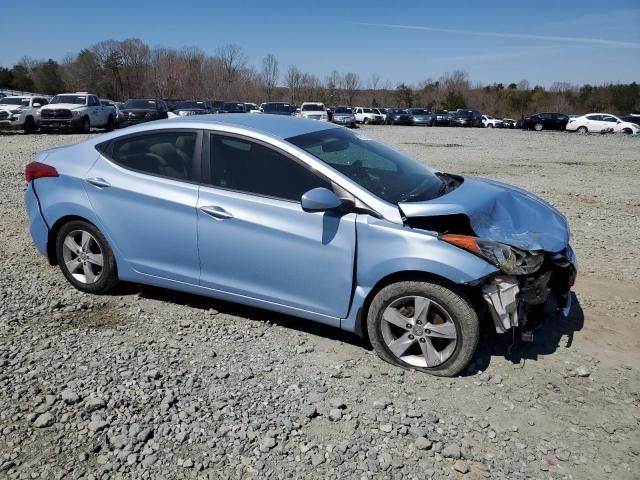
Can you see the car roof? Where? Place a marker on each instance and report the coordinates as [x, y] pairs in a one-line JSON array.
[[273, 125]]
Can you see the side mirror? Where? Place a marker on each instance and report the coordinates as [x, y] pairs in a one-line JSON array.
[[618, 121], [36, 105], [320, 200]]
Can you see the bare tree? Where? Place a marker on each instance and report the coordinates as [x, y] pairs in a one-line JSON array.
[[233, 61], [270, 74], [374, 81], [292, 79], [351, 83]]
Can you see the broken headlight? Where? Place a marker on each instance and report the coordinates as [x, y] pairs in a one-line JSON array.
[[508, 259]]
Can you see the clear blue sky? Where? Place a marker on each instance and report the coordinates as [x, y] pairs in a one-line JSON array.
[[586, 41]]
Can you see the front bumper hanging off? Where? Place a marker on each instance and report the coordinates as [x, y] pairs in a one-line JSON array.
[[510, 298]]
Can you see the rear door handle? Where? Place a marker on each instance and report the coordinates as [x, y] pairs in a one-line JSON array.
[[216, 212], [98, 182]]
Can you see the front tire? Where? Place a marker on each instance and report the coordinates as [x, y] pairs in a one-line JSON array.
[[111, 124], [85, 126], [426, 326], [29, 125], [85, 258]]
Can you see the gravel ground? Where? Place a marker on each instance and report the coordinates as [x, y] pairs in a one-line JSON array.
[[153, 384]]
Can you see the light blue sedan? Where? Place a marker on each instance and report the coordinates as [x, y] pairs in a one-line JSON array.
[[308, 219]]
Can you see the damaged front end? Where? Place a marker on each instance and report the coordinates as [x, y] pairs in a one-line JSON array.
[[511, 299], [524, 237]]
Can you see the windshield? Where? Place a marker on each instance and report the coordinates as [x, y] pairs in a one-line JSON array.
[[395, 111], [419, 111], [74, 99], [140, 104], [343, 110], [277, 107], [15, 101], [313, 107], [381, 170]]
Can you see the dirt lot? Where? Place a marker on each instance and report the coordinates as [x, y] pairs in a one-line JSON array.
[[153, 384]]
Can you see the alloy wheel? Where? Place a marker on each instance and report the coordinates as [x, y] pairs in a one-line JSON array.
[[419, 331], [83, 256]]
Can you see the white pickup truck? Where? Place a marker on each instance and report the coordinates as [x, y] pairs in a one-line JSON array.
[[79, 112], [21, 113]]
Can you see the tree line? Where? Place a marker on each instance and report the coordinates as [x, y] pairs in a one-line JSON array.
[[131, 69]]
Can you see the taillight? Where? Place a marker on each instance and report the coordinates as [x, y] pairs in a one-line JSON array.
[[38, 170]]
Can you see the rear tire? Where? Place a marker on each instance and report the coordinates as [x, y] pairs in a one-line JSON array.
[[538, 127], [366, 121], [85, 257], [583, 129], [442, 343]]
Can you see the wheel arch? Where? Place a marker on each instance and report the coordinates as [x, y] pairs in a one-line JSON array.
[[470, 291], [53, 234]]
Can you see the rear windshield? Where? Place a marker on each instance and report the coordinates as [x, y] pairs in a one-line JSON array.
[[140, 104], [277, 107], [313, 107], [189, 105], [379, 169], [233, 106]]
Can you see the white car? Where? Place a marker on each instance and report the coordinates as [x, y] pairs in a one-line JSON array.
[[601, 122], [78, 111], [367, 115], [382, 112], [491, 122], [252, 108], [21, 113], [314, 111]]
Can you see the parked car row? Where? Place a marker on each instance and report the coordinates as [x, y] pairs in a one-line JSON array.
[[82, 111]]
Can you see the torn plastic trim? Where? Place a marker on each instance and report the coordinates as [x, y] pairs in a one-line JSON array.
[[501, 295]]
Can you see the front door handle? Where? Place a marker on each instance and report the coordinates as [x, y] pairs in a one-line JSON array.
[[98, 182], [216, 212]]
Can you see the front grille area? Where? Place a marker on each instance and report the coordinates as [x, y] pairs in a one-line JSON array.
[[55, 114]]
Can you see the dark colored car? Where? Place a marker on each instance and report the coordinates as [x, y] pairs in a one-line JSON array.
[[441, 118], [233, 107], [397, 116], [631, 117], [421, 117], [466, 118], [278, 108], [545, 121], [192, 107], [143, 110]]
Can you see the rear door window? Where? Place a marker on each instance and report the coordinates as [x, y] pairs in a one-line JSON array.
[[168, 154]]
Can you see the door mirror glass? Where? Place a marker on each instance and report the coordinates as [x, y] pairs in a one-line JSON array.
[[319, 200]]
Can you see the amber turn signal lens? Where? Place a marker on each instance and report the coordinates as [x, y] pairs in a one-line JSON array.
[[463, 241]]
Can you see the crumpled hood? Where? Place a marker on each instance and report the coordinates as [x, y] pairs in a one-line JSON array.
[[500, 212]]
